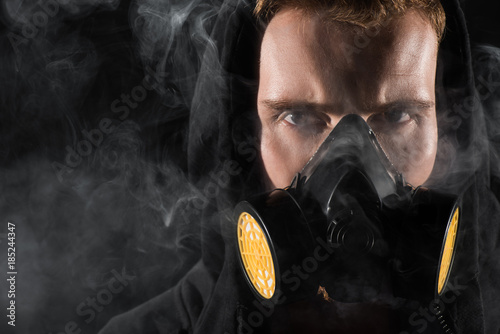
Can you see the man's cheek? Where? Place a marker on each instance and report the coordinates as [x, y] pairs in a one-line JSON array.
[[421, 157], [413, 156], [283, 157], [274, 158]]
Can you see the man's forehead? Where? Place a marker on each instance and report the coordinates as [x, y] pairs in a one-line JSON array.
[[294, 35], [304, 58]]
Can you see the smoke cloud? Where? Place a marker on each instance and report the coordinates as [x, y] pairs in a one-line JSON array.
[[97, 101], [95, 98]]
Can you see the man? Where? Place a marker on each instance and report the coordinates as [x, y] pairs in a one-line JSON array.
[[319, 61]]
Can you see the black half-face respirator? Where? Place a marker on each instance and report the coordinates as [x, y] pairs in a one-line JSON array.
[[349, 223]]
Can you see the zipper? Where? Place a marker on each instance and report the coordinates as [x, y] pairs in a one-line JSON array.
[[441, 317]]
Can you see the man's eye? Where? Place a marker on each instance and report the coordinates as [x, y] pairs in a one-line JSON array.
[[389, 118], [304, 120], [396, 116], [296, 119]]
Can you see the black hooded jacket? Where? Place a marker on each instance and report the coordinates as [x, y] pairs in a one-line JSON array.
[[221, 143]]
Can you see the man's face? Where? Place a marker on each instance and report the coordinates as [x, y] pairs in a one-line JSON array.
[[313, 73]]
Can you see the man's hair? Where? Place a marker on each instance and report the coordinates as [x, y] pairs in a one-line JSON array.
[[364, 13]]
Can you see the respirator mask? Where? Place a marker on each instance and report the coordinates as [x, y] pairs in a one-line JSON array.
[[350, 223]]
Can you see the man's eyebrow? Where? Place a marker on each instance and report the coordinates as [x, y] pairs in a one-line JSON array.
[[301, 105], [282, 104], [413, 103]]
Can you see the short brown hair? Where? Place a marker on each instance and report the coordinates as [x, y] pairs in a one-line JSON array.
[[364, 13]]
